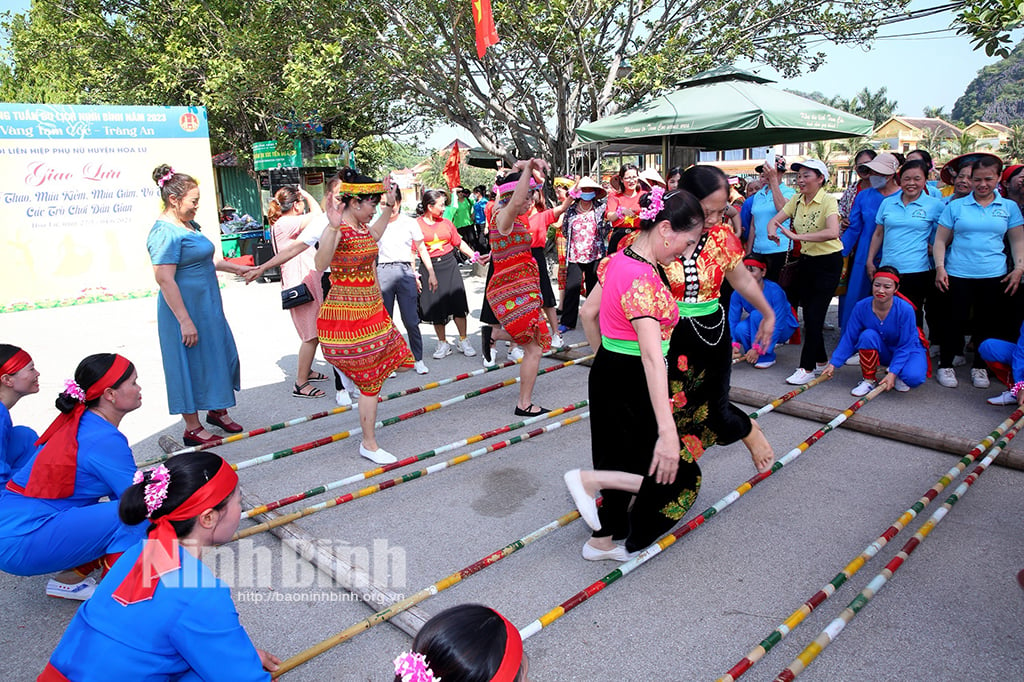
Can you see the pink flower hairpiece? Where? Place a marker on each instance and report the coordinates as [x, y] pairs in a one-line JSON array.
[[156, 489], [72, 389], [167, 176], [412, 667], [655, 204], [1017, 388]]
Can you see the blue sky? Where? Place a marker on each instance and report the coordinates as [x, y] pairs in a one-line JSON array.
[[923, 70]]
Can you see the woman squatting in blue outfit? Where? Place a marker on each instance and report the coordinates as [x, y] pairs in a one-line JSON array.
[[744, 329]]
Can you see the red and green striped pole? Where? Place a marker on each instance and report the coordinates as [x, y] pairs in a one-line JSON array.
[[851, 569], [339, 410], [760, 412], [264, 508], [411, 476], [420, 596], [662, 544], [835, 628]]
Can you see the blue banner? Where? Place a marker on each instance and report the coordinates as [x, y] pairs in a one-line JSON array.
[[81, 122]]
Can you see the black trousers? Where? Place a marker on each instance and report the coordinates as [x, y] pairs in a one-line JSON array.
[[575, 275], [985, 299], [814, 286]]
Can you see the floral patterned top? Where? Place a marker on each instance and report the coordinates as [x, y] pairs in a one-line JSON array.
[[633, 289], [698, 279]]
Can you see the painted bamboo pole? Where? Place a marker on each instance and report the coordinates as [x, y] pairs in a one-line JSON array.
[[851, 569], [370, 473], [410, 476], [429, 591], [835, 628], [339, 410], [433, 407], [760, 412], [662, 544]]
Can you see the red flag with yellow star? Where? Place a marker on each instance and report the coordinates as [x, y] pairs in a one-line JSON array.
[[451, 166], [486, 33]]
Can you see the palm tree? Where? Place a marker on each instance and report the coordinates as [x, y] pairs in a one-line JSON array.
[[934, 141], [1013, 150], [964, 144], [935, 112], [873, 105]]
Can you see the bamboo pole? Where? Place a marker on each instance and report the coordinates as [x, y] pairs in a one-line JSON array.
[[904, 433], [1016, 421], [410, 476], [836, 627], [340, 410], [662, 544]]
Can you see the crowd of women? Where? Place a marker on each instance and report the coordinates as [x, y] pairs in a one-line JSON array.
[[75, 506]]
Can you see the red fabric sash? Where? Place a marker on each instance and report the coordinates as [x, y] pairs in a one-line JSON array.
[[53, 472], [51, 674], [15, 363], [160, 552]]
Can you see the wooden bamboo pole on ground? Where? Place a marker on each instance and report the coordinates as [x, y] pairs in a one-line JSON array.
[[904, 433]]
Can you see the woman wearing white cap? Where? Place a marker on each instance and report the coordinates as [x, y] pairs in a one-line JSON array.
[[815, 231]]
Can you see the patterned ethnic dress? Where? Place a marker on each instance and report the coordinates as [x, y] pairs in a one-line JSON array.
[[700, 352], [356, 333], [514, 290], [623, 426]]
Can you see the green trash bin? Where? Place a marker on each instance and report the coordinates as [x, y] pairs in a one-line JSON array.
[[229, 246]]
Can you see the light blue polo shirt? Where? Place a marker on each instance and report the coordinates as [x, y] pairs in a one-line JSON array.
[[978, 233], [762, 209], [908, 230]]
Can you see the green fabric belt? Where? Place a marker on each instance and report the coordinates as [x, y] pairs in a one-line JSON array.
[[697, 309], [628, 347]]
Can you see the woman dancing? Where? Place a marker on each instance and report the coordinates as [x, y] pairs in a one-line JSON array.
[[356, 333]]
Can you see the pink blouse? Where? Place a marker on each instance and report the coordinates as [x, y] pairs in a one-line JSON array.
[[633, 289]]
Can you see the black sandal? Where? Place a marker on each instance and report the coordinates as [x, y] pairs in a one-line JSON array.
[[520, 412], [313, 391], [318, 376]]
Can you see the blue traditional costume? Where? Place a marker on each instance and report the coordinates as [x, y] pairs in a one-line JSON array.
[[17, 443], [51, 517], [744, 330]]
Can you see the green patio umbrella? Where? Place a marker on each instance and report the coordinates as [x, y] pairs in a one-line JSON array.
[[726, 108]]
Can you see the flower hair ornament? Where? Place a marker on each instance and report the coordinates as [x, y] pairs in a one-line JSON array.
[[167, 176], [72, 389], [412, 667], [655, 204], [155, 491]]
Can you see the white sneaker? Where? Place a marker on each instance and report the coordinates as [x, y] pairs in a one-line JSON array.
[[393, 374], [863, 388], [959, 361], [853, 360], [819, 368], [901, 385], [490, 363], [443, 350], [420, 367], [516, 354], [557, 341], [800, 377], [979, 377], [764, 365], [343, 398], [946, 377], [379, 456], [464, 347], [78, 591], [1004, 398]]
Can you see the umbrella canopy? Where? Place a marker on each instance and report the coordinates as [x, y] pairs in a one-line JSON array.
[[726, 108]]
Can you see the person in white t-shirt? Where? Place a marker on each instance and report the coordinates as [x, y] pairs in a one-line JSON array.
[[397, 276]]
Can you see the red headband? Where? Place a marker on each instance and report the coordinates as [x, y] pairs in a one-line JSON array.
[[53, 472], [15, 363], [160, 552], [887, 275], [512, 660], [754, 263]]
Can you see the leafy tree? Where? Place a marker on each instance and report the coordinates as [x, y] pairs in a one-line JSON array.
[[988, 23], [262, 69], [561, 64], [965, 144], [935, 141], [935, 112], [1013, 149], [873, 106], [377, 155], [469, 176]]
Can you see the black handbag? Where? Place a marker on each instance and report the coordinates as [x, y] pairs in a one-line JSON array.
[[293, 297]]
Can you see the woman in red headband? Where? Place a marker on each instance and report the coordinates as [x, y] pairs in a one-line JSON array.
[[161, 614], [51, 516], [465, 643], [18, 378], [883, 330]]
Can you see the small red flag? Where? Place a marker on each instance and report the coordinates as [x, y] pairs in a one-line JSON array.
[[486, 33], [451, 166]]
